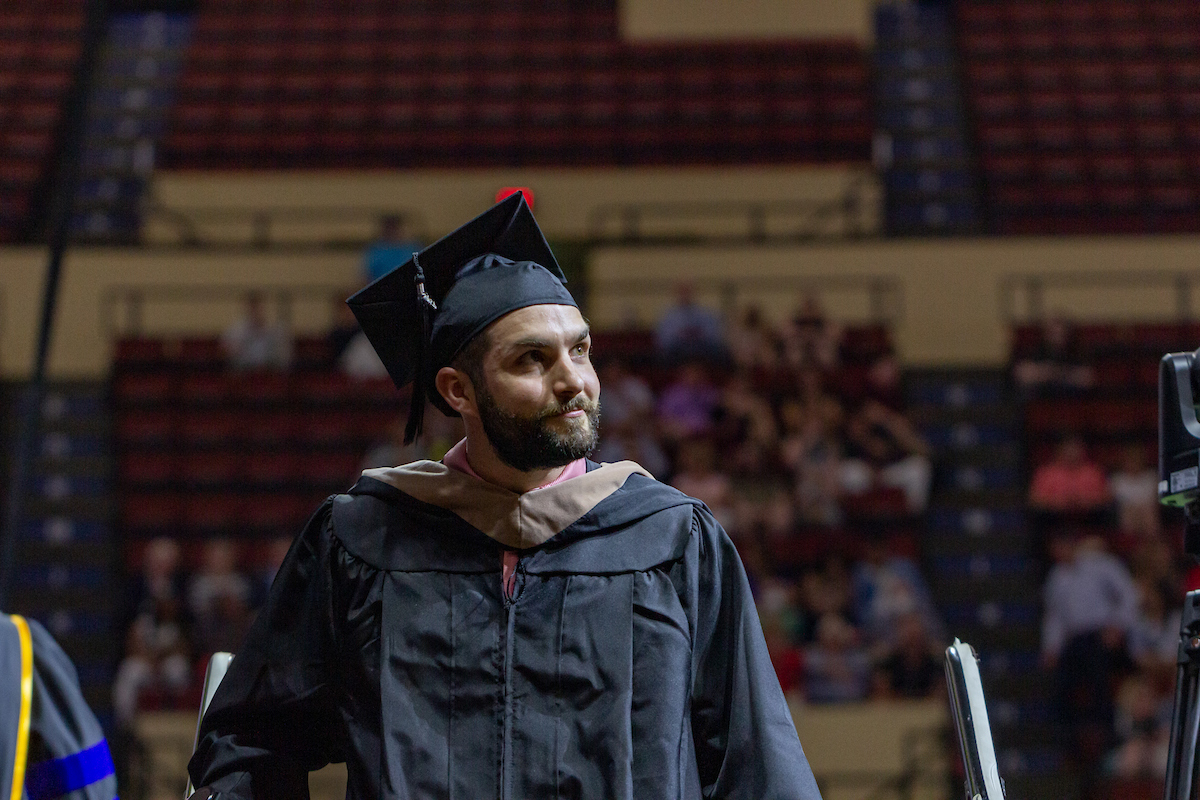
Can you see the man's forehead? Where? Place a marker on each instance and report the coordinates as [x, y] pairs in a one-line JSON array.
[[547, 322]]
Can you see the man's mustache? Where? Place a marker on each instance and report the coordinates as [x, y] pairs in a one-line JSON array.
[[576, 403]]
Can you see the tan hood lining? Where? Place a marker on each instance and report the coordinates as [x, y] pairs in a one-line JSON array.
[[514, 520]]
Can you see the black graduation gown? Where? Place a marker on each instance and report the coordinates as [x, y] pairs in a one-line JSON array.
[[629, 662]]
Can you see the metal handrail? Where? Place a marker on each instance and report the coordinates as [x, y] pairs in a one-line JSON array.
[[810, 218], [1033, 286], [263, 221], [885, 293], [129, 301]]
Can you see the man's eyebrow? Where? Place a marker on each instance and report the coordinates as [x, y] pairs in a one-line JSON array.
[[539, 343]]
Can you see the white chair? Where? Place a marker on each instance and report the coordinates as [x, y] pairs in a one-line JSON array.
[[218, 665]]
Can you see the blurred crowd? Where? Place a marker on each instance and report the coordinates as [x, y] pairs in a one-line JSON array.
[[1115, 579], [772, 426]]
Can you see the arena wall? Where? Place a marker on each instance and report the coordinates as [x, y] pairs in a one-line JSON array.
[[951, 308], [565, 199], [755, 19]]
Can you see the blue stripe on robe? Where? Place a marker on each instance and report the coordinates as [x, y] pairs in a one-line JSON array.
[[52, 779]]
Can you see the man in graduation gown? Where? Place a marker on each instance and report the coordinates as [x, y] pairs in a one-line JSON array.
[[514, 621]]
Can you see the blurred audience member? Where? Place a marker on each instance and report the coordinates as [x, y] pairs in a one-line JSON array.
[[687, 406], [753, 343], [157, 662], [628, 399], [836, 669], [1135, 490], [1057, 364], [157, 658], [1070, 482], [745, 428], [1154, 638], [883, 449], [696, 475], [1091, 605], [887, 588], [825, 590], [689, 331], [1143, 730], [253, 342], [360, 361], [912, 669], [810, 340], [395, 245], [219, 598], [812, 451]]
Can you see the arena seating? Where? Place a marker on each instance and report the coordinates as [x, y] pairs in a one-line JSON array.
[[203, 451], [40, 46], [296, 85], [1087, 114]]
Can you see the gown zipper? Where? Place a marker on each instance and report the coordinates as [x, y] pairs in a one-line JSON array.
[[509, 589]]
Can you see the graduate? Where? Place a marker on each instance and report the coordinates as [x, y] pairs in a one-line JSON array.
[[514, 621]]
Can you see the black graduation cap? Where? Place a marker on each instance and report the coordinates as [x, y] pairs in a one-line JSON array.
[[421, 314]]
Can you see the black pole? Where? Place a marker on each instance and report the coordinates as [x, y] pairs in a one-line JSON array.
[[62, 205]]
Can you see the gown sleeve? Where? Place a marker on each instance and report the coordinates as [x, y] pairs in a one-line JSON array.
[[745, 740], [274, 716]]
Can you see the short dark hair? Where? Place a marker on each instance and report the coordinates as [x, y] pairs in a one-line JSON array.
[[470, 359]]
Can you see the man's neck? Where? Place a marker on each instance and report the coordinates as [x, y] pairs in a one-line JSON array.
[[482, 460]]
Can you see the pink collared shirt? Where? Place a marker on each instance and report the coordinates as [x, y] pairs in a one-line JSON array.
[[456, 459]]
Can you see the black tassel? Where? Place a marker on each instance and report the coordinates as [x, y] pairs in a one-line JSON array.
[[425, 307]]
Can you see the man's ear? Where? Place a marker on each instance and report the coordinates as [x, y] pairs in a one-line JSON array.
[[455, 388]]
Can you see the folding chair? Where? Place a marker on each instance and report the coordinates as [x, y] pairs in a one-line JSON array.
[[218, 665]]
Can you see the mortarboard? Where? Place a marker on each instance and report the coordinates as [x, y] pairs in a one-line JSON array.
[[421, 314]]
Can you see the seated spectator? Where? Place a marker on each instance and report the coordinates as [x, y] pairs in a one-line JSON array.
[[157, 661], [745, 428], [883, 449], [628, 399], [812, 451], [689, 331], [1090, 603], [836, 668], [824, 590], [1154, 639], [696, 475], [781, 620], [395, 245], [913, 669], [887, 588], [255, 343], [1057, 365], [687, 406], [1143, 730], [360, 361], [1135, 490], [219, 598], [810, 340], [753, 343], [1071, 482]]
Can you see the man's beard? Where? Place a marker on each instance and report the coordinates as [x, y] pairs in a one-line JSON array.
[[529, 443]]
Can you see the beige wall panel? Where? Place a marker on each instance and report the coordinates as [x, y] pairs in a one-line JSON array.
[[952, 309], [565, 198], [82, 337], [745, 19]]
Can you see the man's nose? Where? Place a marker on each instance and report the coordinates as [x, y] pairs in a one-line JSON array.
[[568, 381]]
